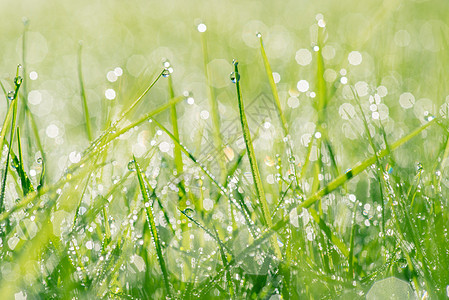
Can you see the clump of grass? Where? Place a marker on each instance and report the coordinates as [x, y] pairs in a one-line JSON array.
[[122, 225]]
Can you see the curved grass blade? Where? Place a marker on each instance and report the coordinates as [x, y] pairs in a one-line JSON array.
[[153, 228]]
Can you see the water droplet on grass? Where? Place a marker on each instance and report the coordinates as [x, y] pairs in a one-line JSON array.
[[166, 73], [258, 34], [14, 164], [234, 77], [132, 166], [11, 95], [291, 159], [428, 117], [18, 80], [419, 167], [189, 211]]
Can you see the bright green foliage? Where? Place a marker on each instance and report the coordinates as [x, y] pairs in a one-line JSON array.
[[316, 168]]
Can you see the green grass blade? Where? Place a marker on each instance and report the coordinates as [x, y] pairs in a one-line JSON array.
[[281, 201], [186, 212], [28, 116], [378, 163], [224, 259], [158, 200], [253, 162], [112, 133], [18, 164], [360, 167], [267, 234], [213, 103], [351, 243], [190, 155], [328, 232], [17, 81], [5, 126], [273, 85], [223, 190], [174, 120], [154, 233], [322, 97], [277, 102], [88, 125]]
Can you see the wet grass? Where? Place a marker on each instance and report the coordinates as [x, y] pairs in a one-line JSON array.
[[290, 219]]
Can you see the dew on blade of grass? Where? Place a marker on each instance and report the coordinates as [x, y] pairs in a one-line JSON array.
[[234, 78], [189, 211], [258, 34], [428, 116], [11, 95], [292, 159], [18, 80], [165, 73], [132, 166], [419, 167]]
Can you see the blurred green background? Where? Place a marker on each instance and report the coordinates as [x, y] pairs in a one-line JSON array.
[[401, 42]]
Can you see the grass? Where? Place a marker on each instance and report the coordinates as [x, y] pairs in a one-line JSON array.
[[320, 200]]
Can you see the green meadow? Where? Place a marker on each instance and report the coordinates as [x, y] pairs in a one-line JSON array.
[[224, 149]]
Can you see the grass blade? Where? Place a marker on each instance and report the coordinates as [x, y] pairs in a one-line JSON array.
[[272, 85], [360, 167], [351, 243], [174, 120], [253, 162], [83, 94], [154, 233], [215, 114], [18, 164]]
